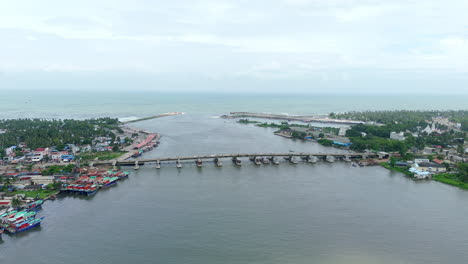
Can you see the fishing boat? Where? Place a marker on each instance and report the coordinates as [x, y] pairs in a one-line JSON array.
[[312, 159], [275, 161], [237, 161], [257, 161], [35, 204], [265, 161], [178, 164], [26, 225], [199, 163], [218, 162], [91, 190], [293, 160], [109, 181]]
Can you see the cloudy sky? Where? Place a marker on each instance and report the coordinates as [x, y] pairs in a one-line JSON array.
[[224, 45]]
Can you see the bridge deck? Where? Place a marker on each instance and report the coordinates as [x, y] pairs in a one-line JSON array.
[[239, 155]]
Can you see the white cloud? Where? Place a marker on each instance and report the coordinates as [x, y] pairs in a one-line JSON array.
[[265, 39]]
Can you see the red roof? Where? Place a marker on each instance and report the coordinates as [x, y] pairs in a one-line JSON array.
[[438, 161], [40, 149]]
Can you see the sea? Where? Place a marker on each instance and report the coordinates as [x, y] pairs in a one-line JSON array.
[[326, 213]]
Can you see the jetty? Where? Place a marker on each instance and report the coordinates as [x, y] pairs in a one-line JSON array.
[[312, 157], [301, 118], [153, 117]]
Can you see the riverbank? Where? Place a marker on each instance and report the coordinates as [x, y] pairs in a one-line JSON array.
[[450, 179]]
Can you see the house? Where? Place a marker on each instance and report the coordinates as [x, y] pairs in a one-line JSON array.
[[438, 161], [57, 156], [68, 157], [402, 163], [42, 180], [397, 136], [383, 155], [421, 160], [430, 167], [342, 131], [37, 158]]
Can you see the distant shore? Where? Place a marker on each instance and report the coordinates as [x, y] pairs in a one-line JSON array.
[[306, 119]]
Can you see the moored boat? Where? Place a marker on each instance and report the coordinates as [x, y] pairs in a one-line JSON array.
[[26, 225], [199, 163]]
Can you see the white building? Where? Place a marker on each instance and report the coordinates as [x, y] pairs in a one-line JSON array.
[[397, 136], [342, 131]]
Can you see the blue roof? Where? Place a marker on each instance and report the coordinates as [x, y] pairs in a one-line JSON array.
[[341, 143]]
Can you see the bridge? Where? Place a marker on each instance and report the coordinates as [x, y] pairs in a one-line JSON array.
[[252, 156]]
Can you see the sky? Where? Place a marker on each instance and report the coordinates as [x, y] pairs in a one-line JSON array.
[[336, 46]]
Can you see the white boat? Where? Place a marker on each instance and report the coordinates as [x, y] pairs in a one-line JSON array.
[[158, 164], [293, 160], [275, 161]]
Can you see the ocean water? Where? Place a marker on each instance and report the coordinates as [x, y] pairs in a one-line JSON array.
[[87, 104]]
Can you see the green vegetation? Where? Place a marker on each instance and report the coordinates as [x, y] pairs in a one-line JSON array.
[[405, 116], [247, 121], [15, 202], [450, 178], [37, 133], [58, 169], [100, 155], [459, 179], [325, 142], [42, 194], [391, 167], [377, 137], [281, 126]]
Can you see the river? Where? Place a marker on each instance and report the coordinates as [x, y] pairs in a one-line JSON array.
[[305, 213]]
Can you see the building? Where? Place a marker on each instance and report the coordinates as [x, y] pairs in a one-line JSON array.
[[421, 160], [342, 131], [397, 136], [45, 180], [430, 167]]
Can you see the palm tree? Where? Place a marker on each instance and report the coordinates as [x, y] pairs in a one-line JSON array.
[[15, 202]]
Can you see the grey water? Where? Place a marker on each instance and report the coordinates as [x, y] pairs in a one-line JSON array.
[[304, 213]]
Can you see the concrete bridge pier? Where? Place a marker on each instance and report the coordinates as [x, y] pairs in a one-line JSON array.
[[137, 166], [158, 164]]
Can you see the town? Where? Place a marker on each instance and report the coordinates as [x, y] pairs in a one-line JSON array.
[[419, 144], [32, 171]]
